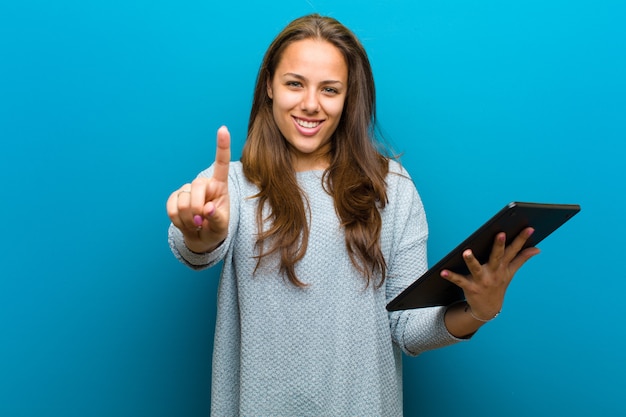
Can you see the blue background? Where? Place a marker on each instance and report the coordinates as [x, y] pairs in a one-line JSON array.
[[108, 106]]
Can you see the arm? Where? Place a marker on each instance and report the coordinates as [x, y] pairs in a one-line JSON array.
[[423, 329], [414, 331]]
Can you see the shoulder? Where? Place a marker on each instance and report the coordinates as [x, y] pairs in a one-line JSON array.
[[398, 176], [396, 167], [401, 190]]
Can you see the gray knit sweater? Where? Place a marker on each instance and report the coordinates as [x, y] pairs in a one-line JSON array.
[[330, 349]]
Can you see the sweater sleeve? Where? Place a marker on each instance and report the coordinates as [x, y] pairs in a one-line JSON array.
[[206, 260], [418, 330]]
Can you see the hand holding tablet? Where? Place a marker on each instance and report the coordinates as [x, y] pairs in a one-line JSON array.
[[432, 290]]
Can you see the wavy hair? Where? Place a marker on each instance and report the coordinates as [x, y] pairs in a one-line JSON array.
[[355, 179]]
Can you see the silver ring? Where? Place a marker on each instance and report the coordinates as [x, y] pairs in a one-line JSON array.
[[183, 191]]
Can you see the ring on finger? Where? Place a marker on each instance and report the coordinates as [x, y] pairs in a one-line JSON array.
[[183, 191]]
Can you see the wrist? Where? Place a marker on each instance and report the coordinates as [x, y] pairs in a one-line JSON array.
[[199, 248], [468, 309]]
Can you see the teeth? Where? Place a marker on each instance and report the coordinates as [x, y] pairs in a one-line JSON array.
[[308, 125]]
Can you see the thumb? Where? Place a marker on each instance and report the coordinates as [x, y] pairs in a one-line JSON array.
[[216, 213], [210, 210]]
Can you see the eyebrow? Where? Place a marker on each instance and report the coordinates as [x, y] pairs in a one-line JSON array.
[[300, 77]]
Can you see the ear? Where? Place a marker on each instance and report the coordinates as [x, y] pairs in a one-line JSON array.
[[269, 89]]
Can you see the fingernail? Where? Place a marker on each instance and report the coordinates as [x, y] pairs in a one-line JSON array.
[[212, 211], [197, 220], [444, 274]]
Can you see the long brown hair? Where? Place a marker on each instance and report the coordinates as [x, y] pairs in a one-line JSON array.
[[355, 177]]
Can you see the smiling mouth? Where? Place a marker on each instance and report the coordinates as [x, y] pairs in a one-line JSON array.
[[307, 124]]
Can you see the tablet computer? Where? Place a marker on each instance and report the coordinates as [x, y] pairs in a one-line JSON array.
[[431, 290]]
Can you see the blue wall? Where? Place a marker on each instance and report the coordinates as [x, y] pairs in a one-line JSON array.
[[107, 106]]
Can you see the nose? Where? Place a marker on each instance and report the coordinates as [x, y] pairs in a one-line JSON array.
[[310, 102]]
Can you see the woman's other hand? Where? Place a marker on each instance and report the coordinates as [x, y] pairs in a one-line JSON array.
[[201, 210]]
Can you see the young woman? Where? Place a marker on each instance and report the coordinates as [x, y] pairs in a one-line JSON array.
[[318, 230]]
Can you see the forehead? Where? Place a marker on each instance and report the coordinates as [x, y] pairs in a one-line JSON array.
[[313, 56]]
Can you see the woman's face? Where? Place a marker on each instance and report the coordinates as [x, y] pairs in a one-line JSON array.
[[308, 91]]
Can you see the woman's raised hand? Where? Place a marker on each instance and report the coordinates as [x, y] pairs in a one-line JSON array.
[[201, 210]]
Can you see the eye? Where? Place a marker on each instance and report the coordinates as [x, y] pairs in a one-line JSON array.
[[294, 84], [330, 91]]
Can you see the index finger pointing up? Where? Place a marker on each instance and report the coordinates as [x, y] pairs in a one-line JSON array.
[[222, 155]]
